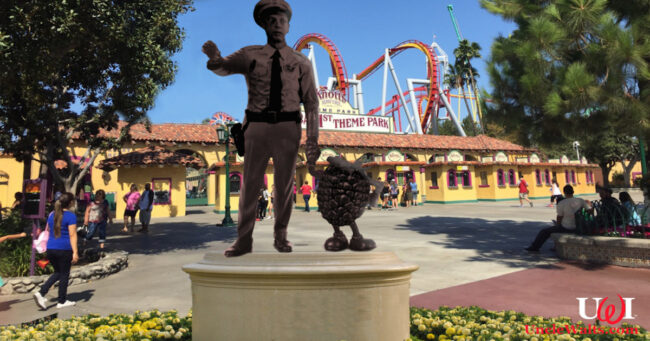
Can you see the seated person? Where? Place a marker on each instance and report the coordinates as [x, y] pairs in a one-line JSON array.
[[611, 211], [628, 203], [565, 223]]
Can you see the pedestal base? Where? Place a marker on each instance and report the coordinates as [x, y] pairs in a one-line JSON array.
[[301, 296]]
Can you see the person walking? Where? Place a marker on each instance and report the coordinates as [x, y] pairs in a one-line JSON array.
[[523, 192], [394, 193], [414, 192], [271, 204], [407, 193], [385, 195], [97, 214], [556, 195], [131, 199], [146, 206], [61, 250], [306, 191]]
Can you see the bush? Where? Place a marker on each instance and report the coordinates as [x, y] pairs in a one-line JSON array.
[[618, 180], [15, 254], [474, 323], [151, 325]]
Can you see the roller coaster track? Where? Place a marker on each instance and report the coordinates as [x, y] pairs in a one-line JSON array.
[[340, 72], [338, 67]]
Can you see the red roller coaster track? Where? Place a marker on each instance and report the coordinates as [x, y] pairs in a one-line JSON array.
[[340, 72], [338, 67]]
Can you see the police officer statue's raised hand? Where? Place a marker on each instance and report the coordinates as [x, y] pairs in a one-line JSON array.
[[279, 79]]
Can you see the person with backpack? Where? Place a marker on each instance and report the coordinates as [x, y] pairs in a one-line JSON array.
[[62, 250], [96, 217]]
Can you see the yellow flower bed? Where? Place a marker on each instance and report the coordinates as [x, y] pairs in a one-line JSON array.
[[476, 324], [149, 325], [444, 324]]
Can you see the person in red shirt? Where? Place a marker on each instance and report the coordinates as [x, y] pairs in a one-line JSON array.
[[306, 194], [523, 192]]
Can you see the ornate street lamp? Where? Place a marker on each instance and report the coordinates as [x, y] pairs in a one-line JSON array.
[[223, 132]]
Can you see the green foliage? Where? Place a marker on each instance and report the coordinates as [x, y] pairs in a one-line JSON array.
[[111, 58], [15, 254], [618, 179], [566, 61], [147, 325], [465, 323]]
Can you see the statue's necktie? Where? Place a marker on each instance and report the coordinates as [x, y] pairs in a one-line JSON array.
[[275, 99]]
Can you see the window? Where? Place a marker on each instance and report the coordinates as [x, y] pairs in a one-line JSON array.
[[390, 175], [484, 179], [547, 177], [538, 177], [451, 178], [511, 177], [463, 178], [162, 191], [573, 177], [235, 182], [566, 177], [434, 180], [501, 178]]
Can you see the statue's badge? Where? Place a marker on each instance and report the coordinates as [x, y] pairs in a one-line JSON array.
[[290, 68]]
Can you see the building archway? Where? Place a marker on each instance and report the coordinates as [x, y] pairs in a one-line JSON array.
[[196, 181]]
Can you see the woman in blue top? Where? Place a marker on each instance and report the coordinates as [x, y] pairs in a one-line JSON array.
[[628, 203], [61, 249]]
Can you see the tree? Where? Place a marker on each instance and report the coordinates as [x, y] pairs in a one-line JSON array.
[[464, 54], [570, 71], [73, 69], [447, 127]]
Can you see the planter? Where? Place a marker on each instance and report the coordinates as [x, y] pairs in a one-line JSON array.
[[111, 263], [630, 252]]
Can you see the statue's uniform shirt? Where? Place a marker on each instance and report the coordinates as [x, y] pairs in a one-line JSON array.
[[254, 62], [265, 140]]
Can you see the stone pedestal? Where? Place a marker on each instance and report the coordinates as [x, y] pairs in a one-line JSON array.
[[301, 296]]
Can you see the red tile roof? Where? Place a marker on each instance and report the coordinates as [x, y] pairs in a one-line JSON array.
[[169, 132], [151, 156], [202, 133], [414, 141]]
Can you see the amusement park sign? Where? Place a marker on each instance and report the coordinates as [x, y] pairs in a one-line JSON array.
[[359, 123], [338, 115]]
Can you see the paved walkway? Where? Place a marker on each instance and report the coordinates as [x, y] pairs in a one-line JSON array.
[[454, 245]]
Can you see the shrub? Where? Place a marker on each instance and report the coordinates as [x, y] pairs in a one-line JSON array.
[[474, 323], [15, 254], [618, 180], [150, 325]]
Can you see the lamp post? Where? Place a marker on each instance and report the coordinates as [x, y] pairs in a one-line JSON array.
[[224, 137]]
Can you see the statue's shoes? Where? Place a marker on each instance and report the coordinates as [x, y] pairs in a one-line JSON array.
[[338, 242], [235, 251], [282, 245], [361, 244]]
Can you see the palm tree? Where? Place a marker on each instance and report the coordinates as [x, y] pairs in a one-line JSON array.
[[454, 80], [464, 53]]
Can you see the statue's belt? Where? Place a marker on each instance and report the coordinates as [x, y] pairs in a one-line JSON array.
[[273, 116]]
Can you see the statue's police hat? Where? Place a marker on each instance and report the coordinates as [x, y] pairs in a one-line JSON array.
[[265, 5]]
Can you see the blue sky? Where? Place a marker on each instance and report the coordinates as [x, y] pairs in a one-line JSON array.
[[361, 30]]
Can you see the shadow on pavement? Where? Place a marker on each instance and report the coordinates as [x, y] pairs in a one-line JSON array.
[[4, 306], [84, 296], [502, 241], [166, 237]]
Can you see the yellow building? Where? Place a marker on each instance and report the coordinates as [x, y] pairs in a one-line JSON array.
[[447, 169]]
